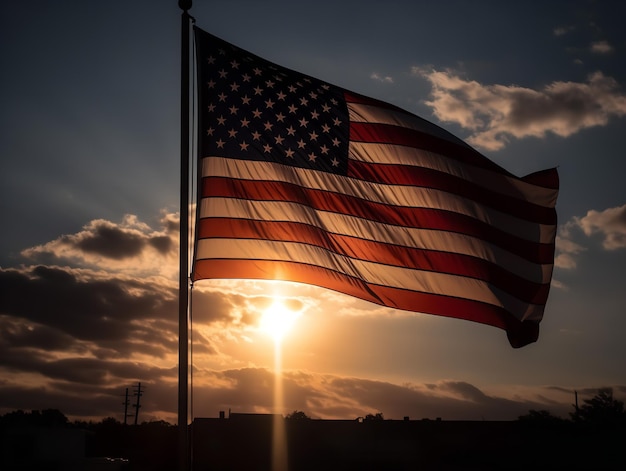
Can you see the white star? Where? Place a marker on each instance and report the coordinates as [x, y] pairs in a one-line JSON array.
[[313, 135], [337, 122], [234, 87], [244, 123], [312, 157], [267, 148], [257, 71], [221, 120], [244, 145], [269, 103], [234, 64], [256, 135], [293, 109], [325, 128], [245, 100], [223, 73], [222, 97], [279, 140], [232, 133], [269, 83], [336, 142], [211, 83], [258, 90], [314, 114], [303, 122], [246, 77], [268, 126], [324, 149], [256, 113], [301, 144], [289, 153], [304, 101], [291, 131], [281, 96], [280, 117], [220, 143], [233, 109], [335, 162]]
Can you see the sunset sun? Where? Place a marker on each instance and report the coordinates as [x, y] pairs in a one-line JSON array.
[[277, 320]]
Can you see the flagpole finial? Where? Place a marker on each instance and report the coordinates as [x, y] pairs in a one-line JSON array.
[[184, 4]]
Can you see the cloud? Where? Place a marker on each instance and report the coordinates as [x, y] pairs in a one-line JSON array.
[[610, 223], [74, 337], [380, 78], [130, 246], [601, 47], [497, 113], [562, 30]]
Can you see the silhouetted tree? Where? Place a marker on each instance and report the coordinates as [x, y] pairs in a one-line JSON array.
[[35, 418], [297, 414], [377, 416], [602, 409], [539, 416]]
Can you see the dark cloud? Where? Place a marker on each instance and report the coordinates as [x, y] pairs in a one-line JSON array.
[[87, 306]]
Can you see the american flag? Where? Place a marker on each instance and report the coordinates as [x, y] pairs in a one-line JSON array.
[[301, 180]]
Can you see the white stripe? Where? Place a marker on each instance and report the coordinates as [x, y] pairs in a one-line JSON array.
[[441, 241], [393, 195], [374, 273], [401, 155], [361, 113]]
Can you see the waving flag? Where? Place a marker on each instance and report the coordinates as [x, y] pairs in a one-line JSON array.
[[303, 181]]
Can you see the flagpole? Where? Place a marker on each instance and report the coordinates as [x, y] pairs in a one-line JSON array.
[[183, 280]]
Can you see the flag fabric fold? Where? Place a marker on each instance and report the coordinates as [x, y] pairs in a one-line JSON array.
[[301, 180]]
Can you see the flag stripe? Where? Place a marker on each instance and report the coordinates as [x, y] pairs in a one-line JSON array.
[[350, 226], [387, 296], [501, 185], [402, 205], [432, 179], [402, 217], [371, 111], [370, 272], [386, 254]]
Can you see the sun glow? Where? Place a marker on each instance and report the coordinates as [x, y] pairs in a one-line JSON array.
[[277, 320]]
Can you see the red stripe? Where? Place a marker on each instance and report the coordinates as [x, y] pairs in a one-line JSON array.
[[422, 218], [386, 296], [388, 134], [548, 178], [430, 178], [352, 97], [387, 254]]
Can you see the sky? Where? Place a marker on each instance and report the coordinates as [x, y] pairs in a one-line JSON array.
[[89, 182]]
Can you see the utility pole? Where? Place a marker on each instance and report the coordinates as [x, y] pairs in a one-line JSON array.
[[138, 394]]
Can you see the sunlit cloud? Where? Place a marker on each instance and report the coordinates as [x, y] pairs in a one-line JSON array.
[[610, 224], [380, 78], [496, 113], [601, 47], [562, 30], [130, 246]]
